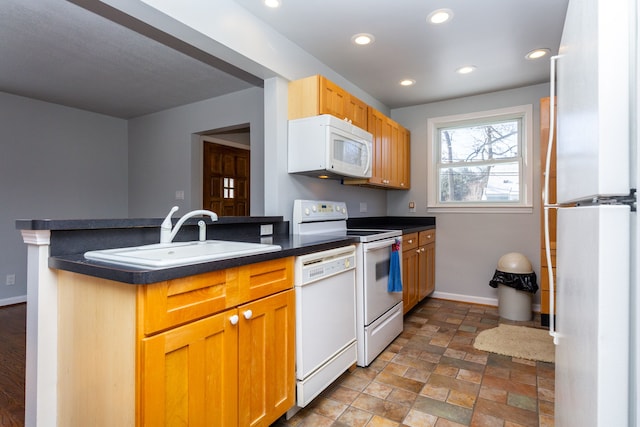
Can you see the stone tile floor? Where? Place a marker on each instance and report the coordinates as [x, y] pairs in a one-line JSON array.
[[432, 376]]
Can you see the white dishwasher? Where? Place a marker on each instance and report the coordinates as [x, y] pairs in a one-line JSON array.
[[325, 319]]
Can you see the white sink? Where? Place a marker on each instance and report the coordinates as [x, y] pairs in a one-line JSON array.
[[163, 255]]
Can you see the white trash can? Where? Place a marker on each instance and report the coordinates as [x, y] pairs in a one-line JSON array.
[[514, 303]]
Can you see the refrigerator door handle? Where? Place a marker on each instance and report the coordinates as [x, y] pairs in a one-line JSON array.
[[547, 205]]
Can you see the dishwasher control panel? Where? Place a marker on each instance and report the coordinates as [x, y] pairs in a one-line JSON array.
[[325, 264]]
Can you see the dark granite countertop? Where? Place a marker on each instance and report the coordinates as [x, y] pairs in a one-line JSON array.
[[407, 224], [292, 245], [70, 239]]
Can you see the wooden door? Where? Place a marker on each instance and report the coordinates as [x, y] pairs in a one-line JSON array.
[[189, 375], [266, 359], [226, 180]]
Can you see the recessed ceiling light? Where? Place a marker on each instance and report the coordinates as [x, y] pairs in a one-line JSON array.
[[363, 39], [272, 3], [537, 53], [407, 82], [440, 16], [466, 69]]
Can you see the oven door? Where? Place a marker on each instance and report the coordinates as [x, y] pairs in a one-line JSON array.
[[376, 263]]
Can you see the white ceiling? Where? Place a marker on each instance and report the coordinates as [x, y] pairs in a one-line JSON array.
[[56, 51], [493, 35]]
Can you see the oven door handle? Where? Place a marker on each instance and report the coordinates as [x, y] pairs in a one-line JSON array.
[[372, 246]]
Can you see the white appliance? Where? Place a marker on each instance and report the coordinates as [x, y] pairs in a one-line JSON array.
[[325, 319], [327, 147], [379, 318], [596, 327]]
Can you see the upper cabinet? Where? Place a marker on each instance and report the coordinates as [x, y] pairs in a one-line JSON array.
[[316, 95], [390, 153]]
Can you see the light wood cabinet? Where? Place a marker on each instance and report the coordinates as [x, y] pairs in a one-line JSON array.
[[317, 95], [391, 165], [418, 267], [211, 349], [410, 271], [545, 292], [391, 147]]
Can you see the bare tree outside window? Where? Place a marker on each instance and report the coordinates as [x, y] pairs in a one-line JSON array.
[[480, 162]]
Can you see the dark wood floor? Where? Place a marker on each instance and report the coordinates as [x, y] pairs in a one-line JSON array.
[[12, 363]]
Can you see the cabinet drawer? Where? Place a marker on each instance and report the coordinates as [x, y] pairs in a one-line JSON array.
[[178, 301], [264, 278], [174, 302], [409, 241], [426, 237]]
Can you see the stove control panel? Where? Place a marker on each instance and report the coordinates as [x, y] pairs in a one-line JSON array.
[[318, 210]]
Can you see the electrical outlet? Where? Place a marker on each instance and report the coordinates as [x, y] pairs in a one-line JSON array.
[[11, 279], [266, 229], [363, 207], [412, 206], [180, 195]]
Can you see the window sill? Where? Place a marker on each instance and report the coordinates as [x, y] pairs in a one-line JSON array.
[[482, 209]]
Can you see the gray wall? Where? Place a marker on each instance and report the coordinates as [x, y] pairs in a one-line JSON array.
[[468, 246], [165, 155], [56, 162], [165, 152]]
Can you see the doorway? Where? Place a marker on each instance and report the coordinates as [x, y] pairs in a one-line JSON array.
[[226, 169]]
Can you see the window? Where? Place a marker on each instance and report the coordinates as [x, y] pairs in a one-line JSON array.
[[228, 188], [481, 161]]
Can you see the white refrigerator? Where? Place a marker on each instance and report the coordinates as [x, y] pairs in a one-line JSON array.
[[596, 326]]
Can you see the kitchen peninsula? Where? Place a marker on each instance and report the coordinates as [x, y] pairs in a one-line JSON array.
[[109, 345]]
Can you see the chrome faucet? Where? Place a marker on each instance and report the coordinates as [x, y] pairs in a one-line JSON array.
[[167, 233]]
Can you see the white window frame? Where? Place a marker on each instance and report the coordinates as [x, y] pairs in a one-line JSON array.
[[525, 205]]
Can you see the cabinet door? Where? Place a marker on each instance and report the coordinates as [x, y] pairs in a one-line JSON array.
[[380, 128], [266, 359], [430, 274], [404, 158], [189, 375], [410, 260], [357, 111], [544, 271], [427, 270], [333, 99]]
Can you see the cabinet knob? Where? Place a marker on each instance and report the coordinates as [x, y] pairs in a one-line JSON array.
[[410, 240], [417, 251], [234, 319], [421, 249], [247, 314]]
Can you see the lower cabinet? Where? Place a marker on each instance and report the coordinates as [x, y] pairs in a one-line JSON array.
[[216, 349], [418, 267], [232, 368]]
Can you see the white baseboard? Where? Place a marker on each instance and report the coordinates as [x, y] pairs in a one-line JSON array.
[[474, 300], [13, 300]]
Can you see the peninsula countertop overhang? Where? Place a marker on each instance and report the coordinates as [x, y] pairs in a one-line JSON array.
[[70, 239]]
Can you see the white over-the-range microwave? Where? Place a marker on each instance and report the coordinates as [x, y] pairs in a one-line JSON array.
[[327, 147]]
